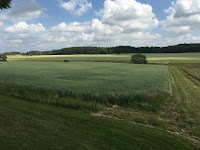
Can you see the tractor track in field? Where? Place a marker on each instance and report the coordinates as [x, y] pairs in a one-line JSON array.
[[182, 104], [194, 139], [186, 103], [190, 76]]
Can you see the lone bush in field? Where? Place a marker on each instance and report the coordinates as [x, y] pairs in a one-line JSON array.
[[3, 58], [138, 59], [66, 60]]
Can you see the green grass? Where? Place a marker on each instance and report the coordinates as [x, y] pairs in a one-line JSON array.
[[84, 84], [186, 102], [27, 125], [152, 57], [179, 114], [192, 69], [142, 86]]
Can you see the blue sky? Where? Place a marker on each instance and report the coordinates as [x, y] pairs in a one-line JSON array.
[[53, 24], [55, 14]]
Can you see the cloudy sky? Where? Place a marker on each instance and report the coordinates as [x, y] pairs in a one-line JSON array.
[[53, 24]]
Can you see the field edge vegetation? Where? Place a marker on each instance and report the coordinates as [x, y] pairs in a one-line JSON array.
[[39, 126]]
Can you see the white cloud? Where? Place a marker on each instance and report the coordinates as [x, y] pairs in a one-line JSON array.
[[183, 15], [182, 24], [129, 14], [86, 33], [24, 27], [104, 29], [76, 7], [95, 26], [26, 10], [124, 22], [1, 24], [23, 37], [184, 8], [72, 27]]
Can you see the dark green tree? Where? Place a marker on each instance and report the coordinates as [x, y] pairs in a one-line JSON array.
[[5, 4], [3, 58], [138, 59]]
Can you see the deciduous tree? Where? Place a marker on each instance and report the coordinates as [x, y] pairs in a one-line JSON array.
[[3, 58], [4, 4], [138, 59]]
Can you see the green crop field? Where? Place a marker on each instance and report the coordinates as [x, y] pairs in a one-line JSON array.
[[100, 102], [105, 83], [111, 58]]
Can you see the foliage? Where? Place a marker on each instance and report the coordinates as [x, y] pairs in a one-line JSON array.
[[4, 4], [181, 48], [3, 58], [138, 59], [66, 60], [12, 53]]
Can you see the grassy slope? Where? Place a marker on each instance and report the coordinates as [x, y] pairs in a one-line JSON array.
[[26, 125]]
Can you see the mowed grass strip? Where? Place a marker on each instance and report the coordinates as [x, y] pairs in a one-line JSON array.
[[193, 69], [27, 125], [130, 85]]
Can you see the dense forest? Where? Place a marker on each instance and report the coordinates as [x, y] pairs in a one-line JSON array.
[[181, 48]]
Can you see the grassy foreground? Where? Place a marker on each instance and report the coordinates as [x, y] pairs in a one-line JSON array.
[[27, 125]]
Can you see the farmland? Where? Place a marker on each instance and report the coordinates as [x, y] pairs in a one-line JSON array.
[[105, 83], [110, 58], [102, 101], [27, 125]]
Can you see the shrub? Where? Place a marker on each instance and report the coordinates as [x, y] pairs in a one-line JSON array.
[[138, 59], [66, 60], [3, 58]]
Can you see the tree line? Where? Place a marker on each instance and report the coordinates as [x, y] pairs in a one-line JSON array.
[[181, 48]]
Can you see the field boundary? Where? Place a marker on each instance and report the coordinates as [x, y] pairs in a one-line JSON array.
[[173, 102]]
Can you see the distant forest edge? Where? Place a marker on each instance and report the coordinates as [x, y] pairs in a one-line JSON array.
[[181, 48]]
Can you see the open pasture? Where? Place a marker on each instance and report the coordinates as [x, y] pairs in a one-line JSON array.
[[105, 83], [157, 57]]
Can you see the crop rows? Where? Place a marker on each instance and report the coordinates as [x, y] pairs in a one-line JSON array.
[[73, 84], [191, 69]]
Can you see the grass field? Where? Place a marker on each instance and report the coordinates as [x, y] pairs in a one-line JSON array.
[[156, 97], [105, 83], [26, 125], [191, 69], [111, 58]]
